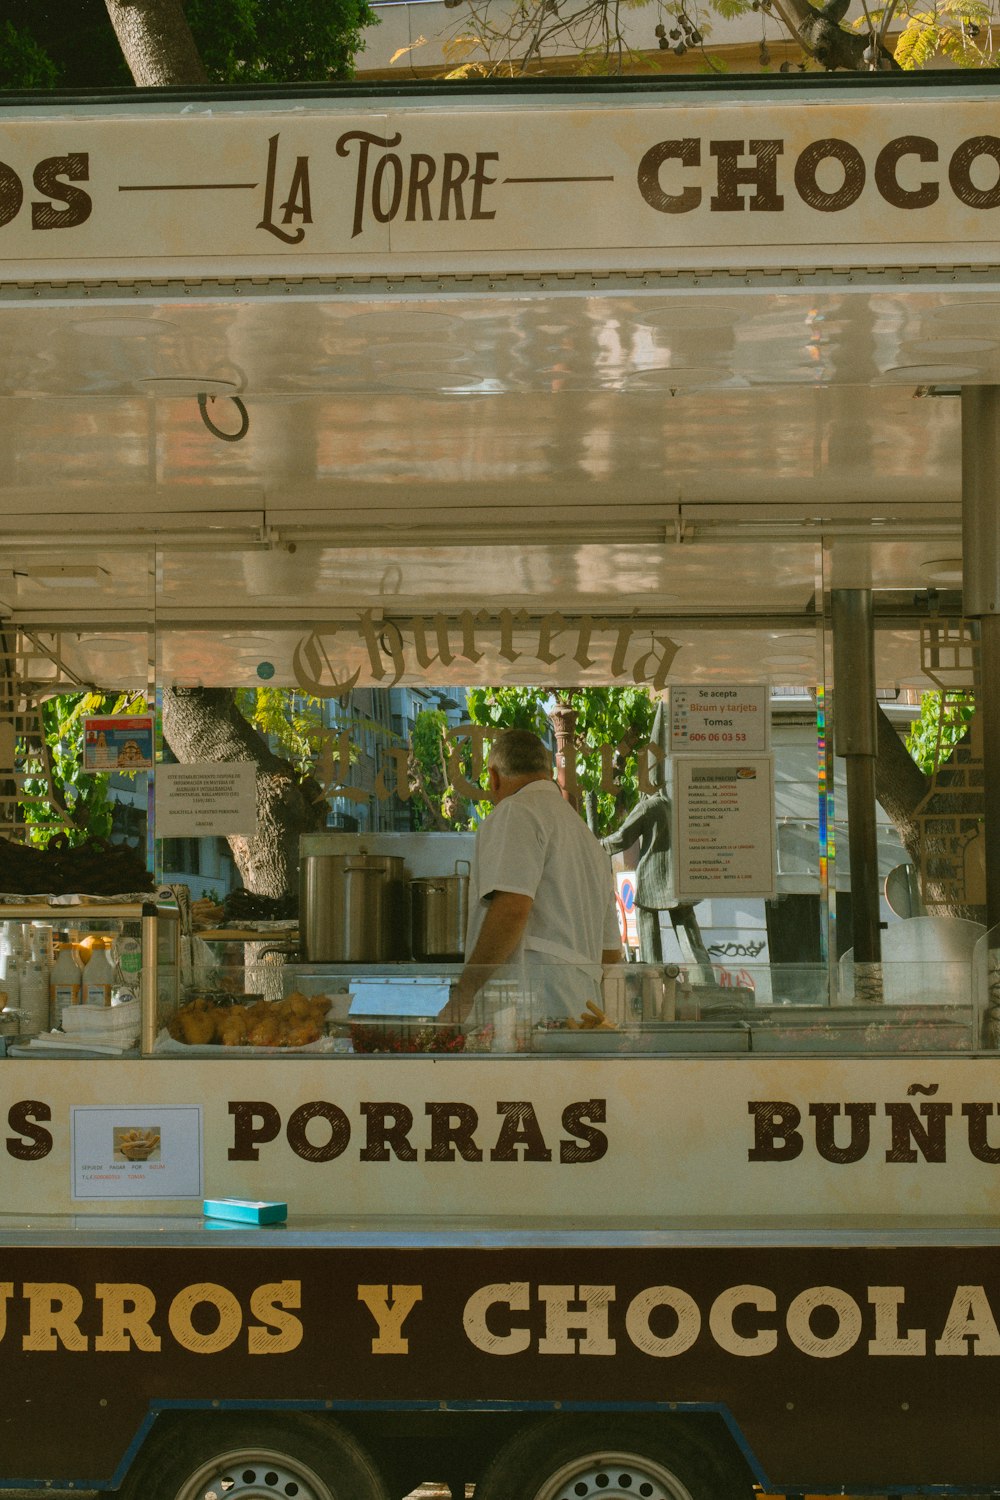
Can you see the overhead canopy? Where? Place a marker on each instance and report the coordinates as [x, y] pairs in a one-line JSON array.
[[685, 355]]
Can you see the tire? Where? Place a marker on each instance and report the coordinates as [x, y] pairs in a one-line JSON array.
[[568, 1458], [250, 1457]]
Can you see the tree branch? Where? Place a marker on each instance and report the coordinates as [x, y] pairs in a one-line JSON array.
[[819, 33]]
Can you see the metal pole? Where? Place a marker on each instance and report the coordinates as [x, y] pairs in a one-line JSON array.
[[148, 1011], [981, 599], [855, 738]]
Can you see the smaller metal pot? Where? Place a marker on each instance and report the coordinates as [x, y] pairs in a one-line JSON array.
[[440, 909]]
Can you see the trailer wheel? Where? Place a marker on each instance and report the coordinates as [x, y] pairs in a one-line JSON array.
[[293, 1457], [624, 1459]]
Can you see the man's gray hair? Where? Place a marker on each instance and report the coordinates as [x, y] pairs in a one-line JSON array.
[[519, 752]]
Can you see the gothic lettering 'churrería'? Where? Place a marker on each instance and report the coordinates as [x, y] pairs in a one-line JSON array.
[[392, 648]]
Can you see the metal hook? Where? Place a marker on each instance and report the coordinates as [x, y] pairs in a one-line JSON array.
[[227, 437]]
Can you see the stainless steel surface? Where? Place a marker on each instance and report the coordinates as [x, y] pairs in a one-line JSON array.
[[342, 908], [522, 1231], [422, 853], [395, 943], [508, 492], [981, 499], [988, 704], [855, 735], [440, 910], [981, 597], [853, 624], [148, 986]]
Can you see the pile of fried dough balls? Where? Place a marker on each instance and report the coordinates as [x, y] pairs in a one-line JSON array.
[[293, 1022]]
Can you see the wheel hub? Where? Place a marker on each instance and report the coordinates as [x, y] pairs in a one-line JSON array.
[[609, 1476], [250, 1476]]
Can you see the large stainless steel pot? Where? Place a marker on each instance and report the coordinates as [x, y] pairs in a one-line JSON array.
[[395, 906], [440, 908], [352, 908]]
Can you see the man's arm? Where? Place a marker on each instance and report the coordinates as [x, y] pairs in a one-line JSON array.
[[502, 930]]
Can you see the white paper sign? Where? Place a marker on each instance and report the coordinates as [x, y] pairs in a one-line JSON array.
[[154, 1152], [720, 719], [205, 800], [725, 826], [413, 998]]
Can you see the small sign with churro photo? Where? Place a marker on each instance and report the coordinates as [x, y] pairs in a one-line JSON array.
[[137, 1153]]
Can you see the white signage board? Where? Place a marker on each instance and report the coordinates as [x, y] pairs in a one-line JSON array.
[[330, 188], [122, 1152], [582, 1140], [720, 719], [202, 801], [724, 810]]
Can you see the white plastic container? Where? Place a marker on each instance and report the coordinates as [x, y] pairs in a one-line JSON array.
[[99, 978], [10, 964], [11, 982], [64, 984], [34, 999]]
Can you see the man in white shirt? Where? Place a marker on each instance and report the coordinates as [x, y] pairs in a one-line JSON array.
[[541, 891]]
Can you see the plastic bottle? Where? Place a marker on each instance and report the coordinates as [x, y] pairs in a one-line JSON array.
[[12, 966], [41, 936], [40, 940], [34, 1001], [99, 978], [64, 983]]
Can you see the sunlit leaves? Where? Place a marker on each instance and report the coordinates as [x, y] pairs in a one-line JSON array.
[[943, 720], [604, 716], [78, 803]]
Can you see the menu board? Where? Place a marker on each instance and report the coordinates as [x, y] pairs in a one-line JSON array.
[[725, 833], [720, 719]]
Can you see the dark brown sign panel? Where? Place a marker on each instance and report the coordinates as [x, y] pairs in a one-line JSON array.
[[860, 1367]]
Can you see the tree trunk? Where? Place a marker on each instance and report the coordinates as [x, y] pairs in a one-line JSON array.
[[156, 42], [204, 724], [819, 34], [900, 785], [901, 789]]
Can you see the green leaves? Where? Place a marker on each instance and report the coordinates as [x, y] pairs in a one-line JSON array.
[[436, 803], [71, 43], [278, 41], [606, 716], [24, 63], [78, 803], [944, 720]]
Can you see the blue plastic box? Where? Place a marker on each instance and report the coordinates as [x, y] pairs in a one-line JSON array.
[[244, 1211]]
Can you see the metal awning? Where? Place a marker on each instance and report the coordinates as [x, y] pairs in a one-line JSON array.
[[700, 430]]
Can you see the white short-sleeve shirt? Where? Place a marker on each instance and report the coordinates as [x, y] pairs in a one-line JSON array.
[[534, 844]]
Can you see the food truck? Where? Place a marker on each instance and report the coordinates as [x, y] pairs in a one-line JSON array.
[[684, 385]]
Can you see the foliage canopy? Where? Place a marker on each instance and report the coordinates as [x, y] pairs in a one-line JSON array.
[[71, 44]]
